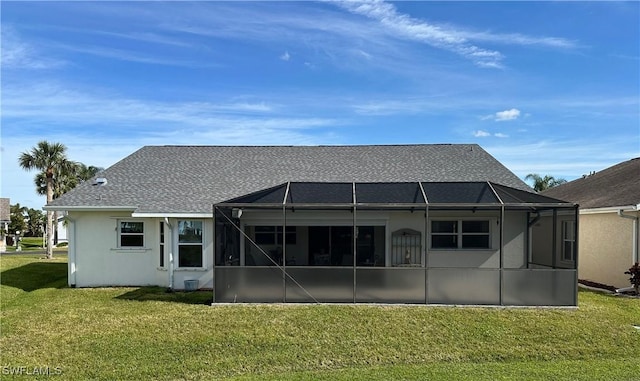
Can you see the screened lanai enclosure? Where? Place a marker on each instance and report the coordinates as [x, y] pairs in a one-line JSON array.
[[475, 243]]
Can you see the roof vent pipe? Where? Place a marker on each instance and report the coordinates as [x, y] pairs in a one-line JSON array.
[[100, 181]]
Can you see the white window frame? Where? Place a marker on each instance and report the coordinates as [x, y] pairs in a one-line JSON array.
[[121, 234], [460, 234], [162, 246], [201, 243]]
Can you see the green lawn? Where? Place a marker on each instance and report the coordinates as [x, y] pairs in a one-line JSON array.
[[34, 244], [28, 243], [146, 333]]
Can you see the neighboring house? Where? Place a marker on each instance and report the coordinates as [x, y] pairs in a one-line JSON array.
[[609, 209], [5, 219], [61, 229], [440, 223]]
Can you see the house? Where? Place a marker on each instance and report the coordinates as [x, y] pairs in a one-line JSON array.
[[442, 224], [61, 229], [5, 219], [609, 211]]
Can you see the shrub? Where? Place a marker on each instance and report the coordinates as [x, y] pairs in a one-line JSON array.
[[634, 271]]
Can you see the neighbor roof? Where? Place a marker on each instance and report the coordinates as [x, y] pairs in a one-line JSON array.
[[190, 179], [615, 186], [5, 210]]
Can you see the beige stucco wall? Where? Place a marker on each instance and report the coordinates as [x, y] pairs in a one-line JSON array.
[[515, 238], [542, 241], [605, 248], [515, 254]]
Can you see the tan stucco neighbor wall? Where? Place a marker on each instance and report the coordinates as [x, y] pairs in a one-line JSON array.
[[605, 248]]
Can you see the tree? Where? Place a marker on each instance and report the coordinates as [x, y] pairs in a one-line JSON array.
[[50, 159], [543, 183], [35, 221], [63, 181], [84, 172], [17, 222]]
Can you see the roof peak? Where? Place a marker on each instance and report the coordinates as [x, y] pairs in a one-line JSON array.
[[316, 145]]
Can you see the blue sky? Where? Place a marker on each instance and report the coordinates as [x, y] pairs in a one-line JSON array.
[[545, 87]]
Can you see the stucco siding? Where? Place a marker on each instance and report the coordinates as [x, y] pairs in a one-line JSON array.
[[476, 258], [605, 249], [514, 233], [515, 238], [99, 261]]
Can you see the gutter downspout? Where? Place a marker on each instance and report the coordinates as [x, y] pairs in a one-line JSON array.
[[170, 246], [634, 256], [71, 253]]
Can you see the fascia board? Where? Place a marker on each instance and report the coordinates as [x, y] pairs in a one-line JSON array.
[[611, 209], [84, 208], [171, 215]]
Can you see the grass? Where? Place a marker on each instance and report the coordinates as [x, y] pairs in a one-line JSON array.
[[147, 333], [28, 244], [35, 244]]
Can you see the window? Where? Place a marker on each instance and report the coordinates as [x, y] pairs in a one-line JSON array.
[[460, 234], [161, 244], [272, 235], [190, 244], [444, 234], [331, 245], [406, 247], [568, 240], [131, 234]]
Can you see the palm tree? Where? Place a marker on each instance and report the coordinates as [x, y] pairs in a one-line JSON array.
[[84, 172], [542, 183], [64, 181], [50, 159]]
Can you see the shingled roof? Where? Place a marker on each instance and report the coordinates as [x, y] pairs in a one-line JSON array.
[[190, 179], [5, 210], [615, 186]]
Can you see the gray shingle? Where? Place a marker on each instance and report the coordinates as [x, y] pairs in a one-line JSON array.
[[618, 185], [5, 210], [190, 179]]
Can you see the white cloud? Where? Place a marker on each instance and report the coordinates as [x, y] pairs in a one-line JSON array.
[[512, 114], [134, 56], [285, 56], [500, 135], [55, 104], [519, 39], [18, 54], [481, 134], [452, 38], [107, 127], [404, 26], [502, 116], [364, 54]]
